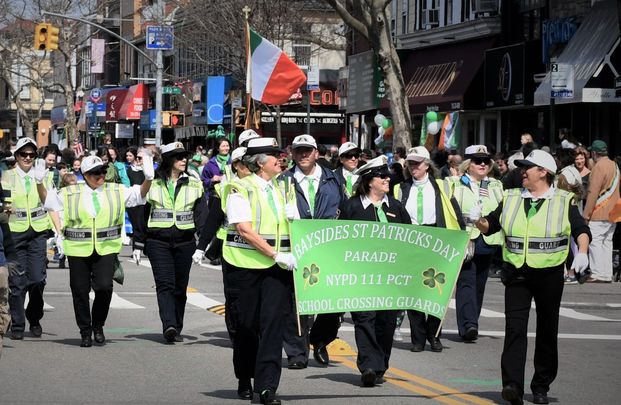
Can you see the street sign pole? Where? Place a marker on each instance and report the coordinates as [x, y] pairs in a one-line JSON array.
[[158, 98]]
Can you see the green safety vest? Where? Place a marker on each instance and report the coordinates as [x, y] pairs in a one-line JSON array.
[[29, 211], [450, 216], [165, 213], [541, 241], [275, 230], [85, 234], [48, 181], [466, 200]]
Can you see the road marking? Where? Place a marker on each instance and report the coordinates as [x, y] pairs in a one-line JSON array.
[[217, 309], [614, 305], [117, 302], [570, 313], [46, 306], [201, 301], [486, 313], [143, 262]]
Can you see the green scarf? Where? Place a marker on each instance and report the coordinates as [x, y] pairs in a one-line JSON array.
[[222, 160]]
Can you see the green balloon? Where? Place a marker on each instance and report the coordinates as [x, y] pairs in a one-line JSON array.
[[431, 116], [387, 123]]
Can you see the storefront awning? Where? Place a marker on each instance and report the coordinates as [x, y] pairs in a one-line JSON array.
[[590, 52], [437, 78]]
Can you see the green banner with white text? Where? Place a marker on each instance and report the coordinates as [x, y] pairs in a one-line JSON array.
[[346, 266]]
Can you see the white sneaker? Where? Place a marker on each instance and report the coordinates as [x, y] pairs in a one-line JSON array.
[[397, 337]]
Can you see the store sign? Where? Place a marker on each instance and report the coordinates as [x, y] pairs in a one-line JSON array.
[[303, 120], [114, 102], [562, 80], [556, 31], [362, 89], [504, 76], [136, 101], [324, 97], [124, 131]]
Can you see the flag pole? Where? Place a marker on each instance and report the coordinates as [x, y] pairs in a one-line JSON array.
[[246, 10]]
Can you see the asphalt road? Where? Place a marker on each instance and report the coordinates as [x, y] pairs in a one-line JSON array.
[[136, 367]]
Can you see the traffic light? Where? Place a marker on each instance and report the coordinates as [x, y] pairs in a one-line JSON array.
[[46, 37], [173, 119]]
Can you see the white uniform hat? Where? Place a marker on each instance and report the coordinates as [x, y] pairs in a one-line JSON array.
[[348, 147], [247, 135], [263, 145], [476, 151], [538, 158], [304, 141], [172, 148], [238, 153], [418, 154], [25, 141], [379, 163], [91, 163]]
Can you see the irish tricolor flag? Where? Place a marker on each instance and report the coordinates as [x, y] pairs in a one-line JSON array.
[[272, 76]]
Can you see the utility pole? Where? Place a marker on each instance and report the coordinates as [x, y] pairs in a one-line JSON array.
[[159, 64]]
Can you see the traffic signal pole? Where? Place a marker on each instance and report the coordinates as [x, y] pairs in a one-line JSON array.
[[159, 64]]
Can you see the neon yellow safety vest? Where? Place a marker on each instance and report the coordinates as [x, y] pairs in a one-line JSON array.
[[541, 241], [29, 211], [275, 230], [450, 216], [85, 234], [48, 181], [165, 213], [466, 200]]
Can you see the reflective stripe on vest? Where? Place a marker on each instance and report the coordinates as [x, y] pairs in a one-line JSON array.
[[164, 214], [543, 240], [85, 234], [29, 211], [275, 230]]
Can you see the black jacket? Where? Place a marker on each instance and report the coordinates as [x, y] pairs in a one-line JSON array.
[[352, 209]]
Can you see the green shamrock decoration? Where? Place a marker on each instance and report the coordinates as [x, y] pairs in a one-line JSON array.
[[311, 276], [433, 279]]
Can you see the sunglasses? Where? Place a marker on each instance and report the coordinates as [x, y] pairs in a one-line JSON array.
[[349, 156], [30, 155], [382, 174], [478, 161], [180, 157]]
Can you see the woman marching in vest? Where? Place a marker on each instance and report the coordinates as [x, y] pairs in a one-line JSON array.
[[427, 203], [474, 187], [175, 204], [94, 212], [374, 329], [29, 224], [255, 257], [537, 221]]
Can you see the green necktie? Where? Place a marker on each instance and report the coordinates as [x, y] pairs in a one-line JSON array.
[[311, 194], [532, 210], [349, 185], [27, 185], [96, 203], [381, 215], [171, 190], [270, 200], [419, 204]]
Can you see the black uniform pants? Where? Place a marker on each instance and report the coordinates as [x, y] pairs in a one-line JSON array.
[[31, 254], [374, 331], [296, 346], [546, 287], [171, 271], [470, 290], [94, 272], [325, 329], [422, 326], [258, 315]]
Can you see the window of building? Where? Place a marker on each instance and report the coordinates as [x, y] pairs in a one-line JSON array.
[[430, 16], [302, 54], [404, 16], [393, 21]]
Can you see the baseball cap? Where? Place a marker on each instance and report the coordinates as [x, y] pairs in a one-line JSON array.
[[304, 140], [197, 157], [373, 165], [247, 135], [91, 163], [238, 153], [598, 146], [25, 141], [172, 148], [262, 145], [418, 154], [348, 147], [538, 158], [474, 151]]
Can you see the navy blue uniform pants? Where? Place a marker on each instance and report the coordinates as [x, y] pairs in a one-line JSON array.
[[374, 331], [171, 271], [31, 254], [470, 290]]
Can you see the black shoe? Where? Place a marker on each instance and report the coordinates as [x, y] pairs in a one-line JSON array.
[[268, 397], [540, 398], [417, 347], [244, 389], [368, 378], [87, 341], [99, 335], [36, 330], [297, 365], [436, 345], [321, 355], [170, 334], [17, 335], [379, 379], [511, 393], [471, 334]]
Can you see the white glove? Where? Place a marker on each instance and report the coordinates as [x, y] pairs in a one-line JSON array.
[[286, 261], [475, 212], [59, 245], [39, 171], [580, 263], [147, 166], [137, 256], [197, 257], [291, 211]]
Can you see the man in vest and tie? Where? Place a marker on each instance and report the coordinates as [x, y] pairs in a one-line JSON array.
[[318, 194]]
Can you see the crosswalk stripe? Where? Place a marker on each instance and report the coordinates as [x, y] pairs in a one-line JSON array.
[[118, 302], [486, 313], [201, 301], [570, 313], [46, 306]]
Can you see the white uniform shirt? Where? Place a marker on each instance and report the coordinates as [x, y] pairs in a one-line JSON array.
[[54, 201], [304, 181], [366, 201], [429, 202], [238, 208], [22, 174]]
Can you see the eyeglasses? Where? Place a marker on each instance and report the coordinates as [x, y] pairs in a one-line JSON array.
[[30, 155], [478, 161], [349, 156]]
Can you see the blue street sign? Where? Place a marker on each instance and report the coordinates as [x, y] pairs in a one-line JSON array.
[[160, 37]]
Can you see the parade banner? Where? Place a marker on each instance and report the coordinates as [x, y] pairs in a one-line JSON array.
[[346, 266]]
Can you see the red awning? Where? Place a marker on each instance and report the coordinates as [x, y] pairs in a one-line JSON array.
[[136, 101]]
